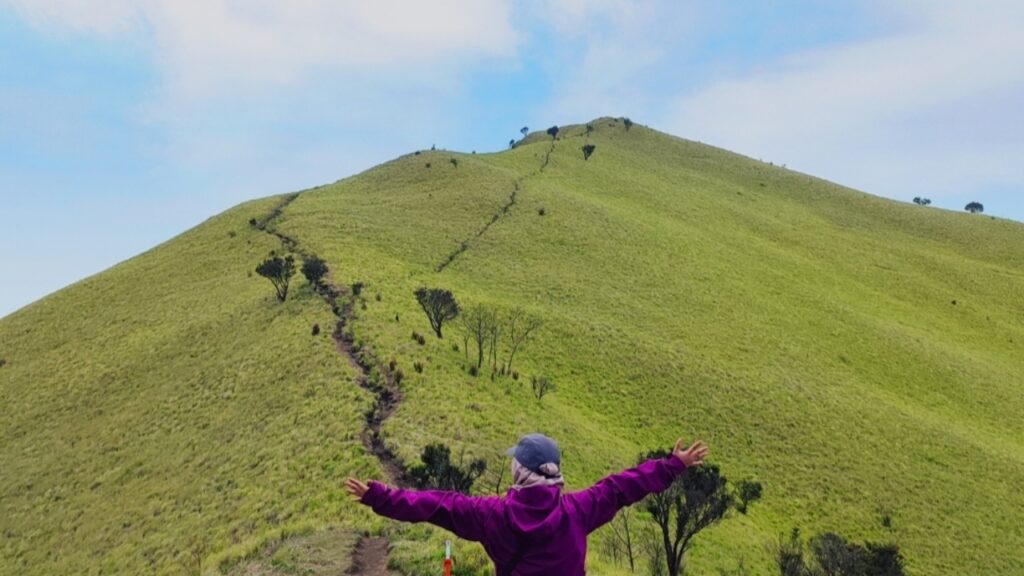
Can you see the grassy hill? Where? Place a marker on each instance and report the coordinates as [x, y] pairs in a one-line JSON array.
[[858, 356]]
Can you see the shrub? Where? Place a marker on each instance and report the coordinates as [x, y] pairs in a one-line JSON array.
[[316, 329], [473, 370], [439, 472], [590, 128], [428, 164], [418, 367], [252, 222], [515, 375], [747, 492], [421, 340], [399, 376], [392, 364], [415, 335], [454, 161], [588, 149], [3, 362], [379, 297], [922, 201], [628, 123], [279, 271], [314, 269], [541, 211], [357, 288], [553, 132], [541, 386]]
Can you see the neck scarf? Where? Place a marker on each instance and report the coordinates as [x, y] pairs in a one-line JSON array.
[[523, 477]]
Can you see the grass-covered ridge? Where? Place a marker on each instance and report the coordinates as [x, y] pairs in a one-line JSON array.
[[807, 331]]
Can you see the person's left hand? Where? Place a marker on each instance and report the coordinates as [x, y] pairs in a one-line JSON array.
[[356, 488]]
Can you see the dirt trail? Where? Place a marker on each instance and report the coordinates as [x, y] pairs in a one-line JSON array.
[[387, 395], [370, 558], [516, 186]]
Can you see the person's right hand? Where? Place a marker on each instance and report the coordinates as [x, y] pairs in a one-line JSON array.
[[692, 456]]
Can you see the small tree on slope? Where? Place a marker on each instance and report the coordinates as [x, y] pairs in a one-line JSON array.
[[694, 501], [279, 271], [439, 305]]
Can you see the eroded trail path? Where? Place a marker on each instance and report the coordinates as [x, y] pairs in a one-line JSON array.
[[516, 187], [387, 395]]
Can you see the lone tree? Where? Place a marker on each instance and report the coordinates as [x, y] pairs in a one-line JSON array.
[[694, 501], [314, 269], [520, 326], [628, 123], [524, 131], [553, 132], [512, 143], [922, 201], [279, 271], [975, 208], [588, 149], [478, 321], [439, 304], [541, 386], [438, 471]]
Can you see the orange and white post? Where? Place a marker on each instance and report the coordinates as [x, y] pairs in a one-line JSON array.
[[447, 558]]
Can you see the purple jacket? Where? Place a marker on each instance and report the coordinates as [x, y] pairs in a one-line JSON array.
[[553, 526]]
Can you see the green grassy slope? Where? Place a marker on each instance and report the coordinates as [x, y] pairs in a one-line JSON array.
[[808, 331]]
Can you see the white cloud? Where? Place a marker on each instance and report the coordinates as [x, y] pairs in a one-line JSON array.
[[211, 47], [924, 110]]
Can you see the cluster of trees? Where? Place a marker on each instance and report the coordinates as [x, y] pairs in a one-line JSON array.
[[482, 325], [279, 270], [829, 554], [972, 207]]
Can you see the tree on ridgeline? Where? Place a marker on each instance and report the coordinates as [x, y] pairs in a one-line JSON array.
[[439, 305], [588, 149], [694, 501], [922, 201], [314, 269], [628, 123], [279, 271], [553, 132], [524, 131], [975, 208], [512, 143]]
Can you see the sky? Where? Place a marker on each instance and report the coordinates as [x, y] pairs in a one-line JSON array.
[[125, 122]]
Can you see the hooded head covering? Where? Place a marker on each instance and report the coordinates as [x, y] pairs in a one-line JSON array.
[[536, 462]]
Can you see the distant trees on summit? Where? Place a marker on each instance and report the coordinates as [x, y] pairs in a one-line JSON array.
[[553, 132], [922, 201], [975, 207]]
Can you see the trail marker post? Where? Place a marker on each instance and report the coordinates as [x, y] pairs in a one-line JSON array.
[[447, 558]]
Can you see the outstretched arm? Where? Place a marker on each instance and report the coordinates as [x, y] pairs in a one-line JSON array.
[[461, 514], [600, 502]]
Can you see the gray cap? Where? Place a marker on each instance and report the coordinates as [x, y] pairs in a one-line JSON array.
[[534, 450]]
